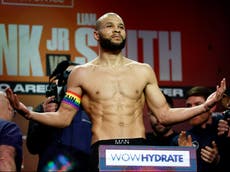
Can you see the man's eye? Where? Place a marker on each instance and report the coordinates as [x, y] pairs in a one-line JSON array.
[[121, 27]]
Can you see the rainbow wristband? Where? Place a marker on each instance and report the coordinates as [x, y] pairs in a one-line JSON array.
[[72, 99]]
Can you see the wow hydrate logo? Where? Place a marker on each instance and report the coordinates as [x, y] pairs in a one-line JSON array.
[[162, 158]]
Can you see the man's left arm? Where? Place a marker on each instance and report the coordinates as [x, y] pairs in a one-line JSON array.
[[166, 115]]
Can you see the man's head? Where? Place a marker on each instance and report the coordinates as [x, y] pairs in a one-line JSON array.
[[196, 96], [6, 110], [110, 32]]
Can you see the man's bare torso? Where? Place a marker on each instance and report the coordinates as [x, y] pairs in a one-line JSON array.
[[114, 99]]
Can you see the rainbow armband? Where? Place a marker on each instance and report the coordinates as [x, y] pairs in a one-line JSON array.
[[72, 99]]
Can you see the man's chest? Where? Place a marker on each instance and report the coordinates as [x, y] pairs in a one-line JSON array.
[[107, 85]]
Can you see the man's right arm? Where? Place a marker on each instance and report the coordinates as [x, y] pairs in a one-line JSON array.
[[67, 110], [61, 118], [7, 156]]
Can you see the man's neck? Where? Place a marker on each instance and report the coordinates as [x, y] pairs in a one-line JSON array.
[[109, 59]]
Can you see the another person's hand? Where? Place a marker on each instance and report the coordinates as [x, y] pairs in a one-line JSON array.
[[210, 154], [16, 104], [184, 140], [223, 128], [49, 105]]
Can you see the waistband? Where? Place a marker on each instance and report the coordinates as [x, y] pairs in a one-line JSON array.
[[122, 141]]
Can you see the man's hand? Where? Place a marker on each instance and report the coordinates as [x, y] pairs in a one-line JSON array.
[[17, 105], [216, 96], [184, 140], [223, 127], [210, 154]]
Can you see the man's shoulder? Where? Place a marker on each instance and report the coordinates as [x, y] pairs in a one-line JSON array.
[[5, 123], [138, 64], [10, 132], [83, 67], [9, 126], [80, 70]]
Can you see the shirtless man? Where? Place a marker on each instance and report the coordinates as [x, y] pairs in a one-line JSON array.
[[113, 90]]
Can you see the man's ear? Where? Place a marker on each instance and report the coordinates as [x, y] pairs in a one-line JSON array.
[[96, 35]]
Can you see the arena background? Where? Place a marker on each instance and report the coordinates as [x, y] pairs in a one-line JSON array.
[[186, 42]]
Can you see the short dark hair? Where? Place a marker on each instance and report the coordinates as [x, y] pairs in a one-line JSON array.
[[60, 68], [199, 91]]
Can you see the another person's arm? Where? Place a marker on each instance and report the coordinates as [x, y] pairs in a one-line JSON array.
[[7, 158], [10, 146]]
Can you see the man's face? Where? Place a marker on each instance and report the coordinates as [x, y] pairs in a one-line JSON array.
[[112, 35], [108, 44], [202, 118]]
